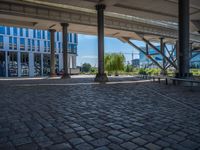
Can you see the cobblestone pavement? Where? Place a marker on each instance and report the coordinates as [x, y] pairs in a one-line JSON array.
[[79, 115]]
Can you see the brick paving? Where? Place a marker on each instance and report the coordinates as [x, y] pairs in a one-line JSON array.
[[78, 114]]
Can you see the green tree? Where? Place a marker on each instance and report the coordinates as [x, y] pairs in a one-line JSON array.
[[86, 67], [114, 62], [129, 68]]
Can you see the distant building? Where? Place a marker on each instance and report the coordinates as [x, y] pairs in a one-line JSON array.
[[26, 52], [195, 62], [146, 62], [136, 63]]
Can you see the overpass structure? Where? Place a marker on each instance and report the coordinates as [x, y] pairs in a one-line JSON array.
[[165, 21]]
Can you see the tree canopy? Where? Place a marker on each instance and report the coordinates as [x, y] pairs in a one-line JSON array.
[[114, 62], [86, 67]]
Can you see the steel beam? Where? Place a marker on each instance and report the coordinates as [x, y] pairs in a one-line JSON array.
[[148, 56], [156, 49]]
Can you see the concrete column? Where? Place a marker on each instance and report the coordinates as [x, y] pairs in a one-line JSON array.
[[31, 64], [101, 76], [52, 49], [42, 64], [19, 64], [162, 49], [60, 61], [65, 50], [184, 17]]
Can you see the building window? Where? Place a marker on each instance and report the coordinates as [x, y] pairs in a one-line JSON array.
[[34, 33], [8, 30], [58, 36], [43, 34], [38, 45], [10, 42], [27, 33], [15, 31], [69, 48], [38, 34], [22, 44], [24, 64], [21, 32], [75, 48], [74, 38], [33, 45], [48, 46], [70, 37], [2, 30], [15, 43], [59, 47], [45, 46], [48, 35], [29, 44], [1, 42]]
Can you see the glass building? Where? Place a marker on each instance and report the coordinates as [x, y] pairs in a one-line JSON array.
[[26, 52], [146, 62]]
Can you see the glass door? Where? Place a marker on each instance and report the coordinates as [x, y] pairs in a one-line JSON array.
[[37, 64], [46, 62], [12, 64], [24, 64]]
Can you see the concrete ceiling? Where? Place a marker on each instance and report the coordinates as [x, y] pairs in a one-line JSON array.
[[160, 10], [165, 10]]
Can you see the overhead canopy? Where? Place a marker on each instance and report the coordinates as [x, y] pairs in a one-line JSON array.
[[165, 11], [150, 19]]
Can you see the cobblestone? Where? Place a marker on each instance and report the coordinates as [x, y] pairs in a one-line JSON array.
[[77, 114]]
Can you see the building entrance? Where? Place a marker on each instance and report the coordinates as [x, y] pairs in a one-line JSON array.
[[24, 64], [37, 64], [12, 64], [46, 60]]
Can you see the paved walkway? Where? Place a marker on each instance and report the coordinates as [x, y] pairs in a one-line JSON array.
[[79, 114]]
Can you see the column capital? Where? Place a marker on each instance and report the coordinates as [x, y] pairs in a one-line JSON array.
[[100, 7], [64, 24]]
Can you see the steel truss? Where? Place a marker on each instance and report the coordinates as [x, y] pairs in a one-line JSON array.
[[169, 54]]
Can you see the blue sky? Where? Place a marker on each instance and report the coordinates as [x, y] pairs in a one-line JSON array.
[[88, 51]]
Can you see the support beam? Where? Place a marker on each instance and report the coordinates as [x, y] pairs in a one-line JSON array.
[[65, 50], [101, 76], [52, 48], [162, 49], [184, 17], [146, 54], [156, 49]]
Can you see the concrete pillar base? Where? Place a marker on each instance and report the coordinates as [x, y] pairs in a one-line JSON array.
[[101, 78], [66, 76]]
